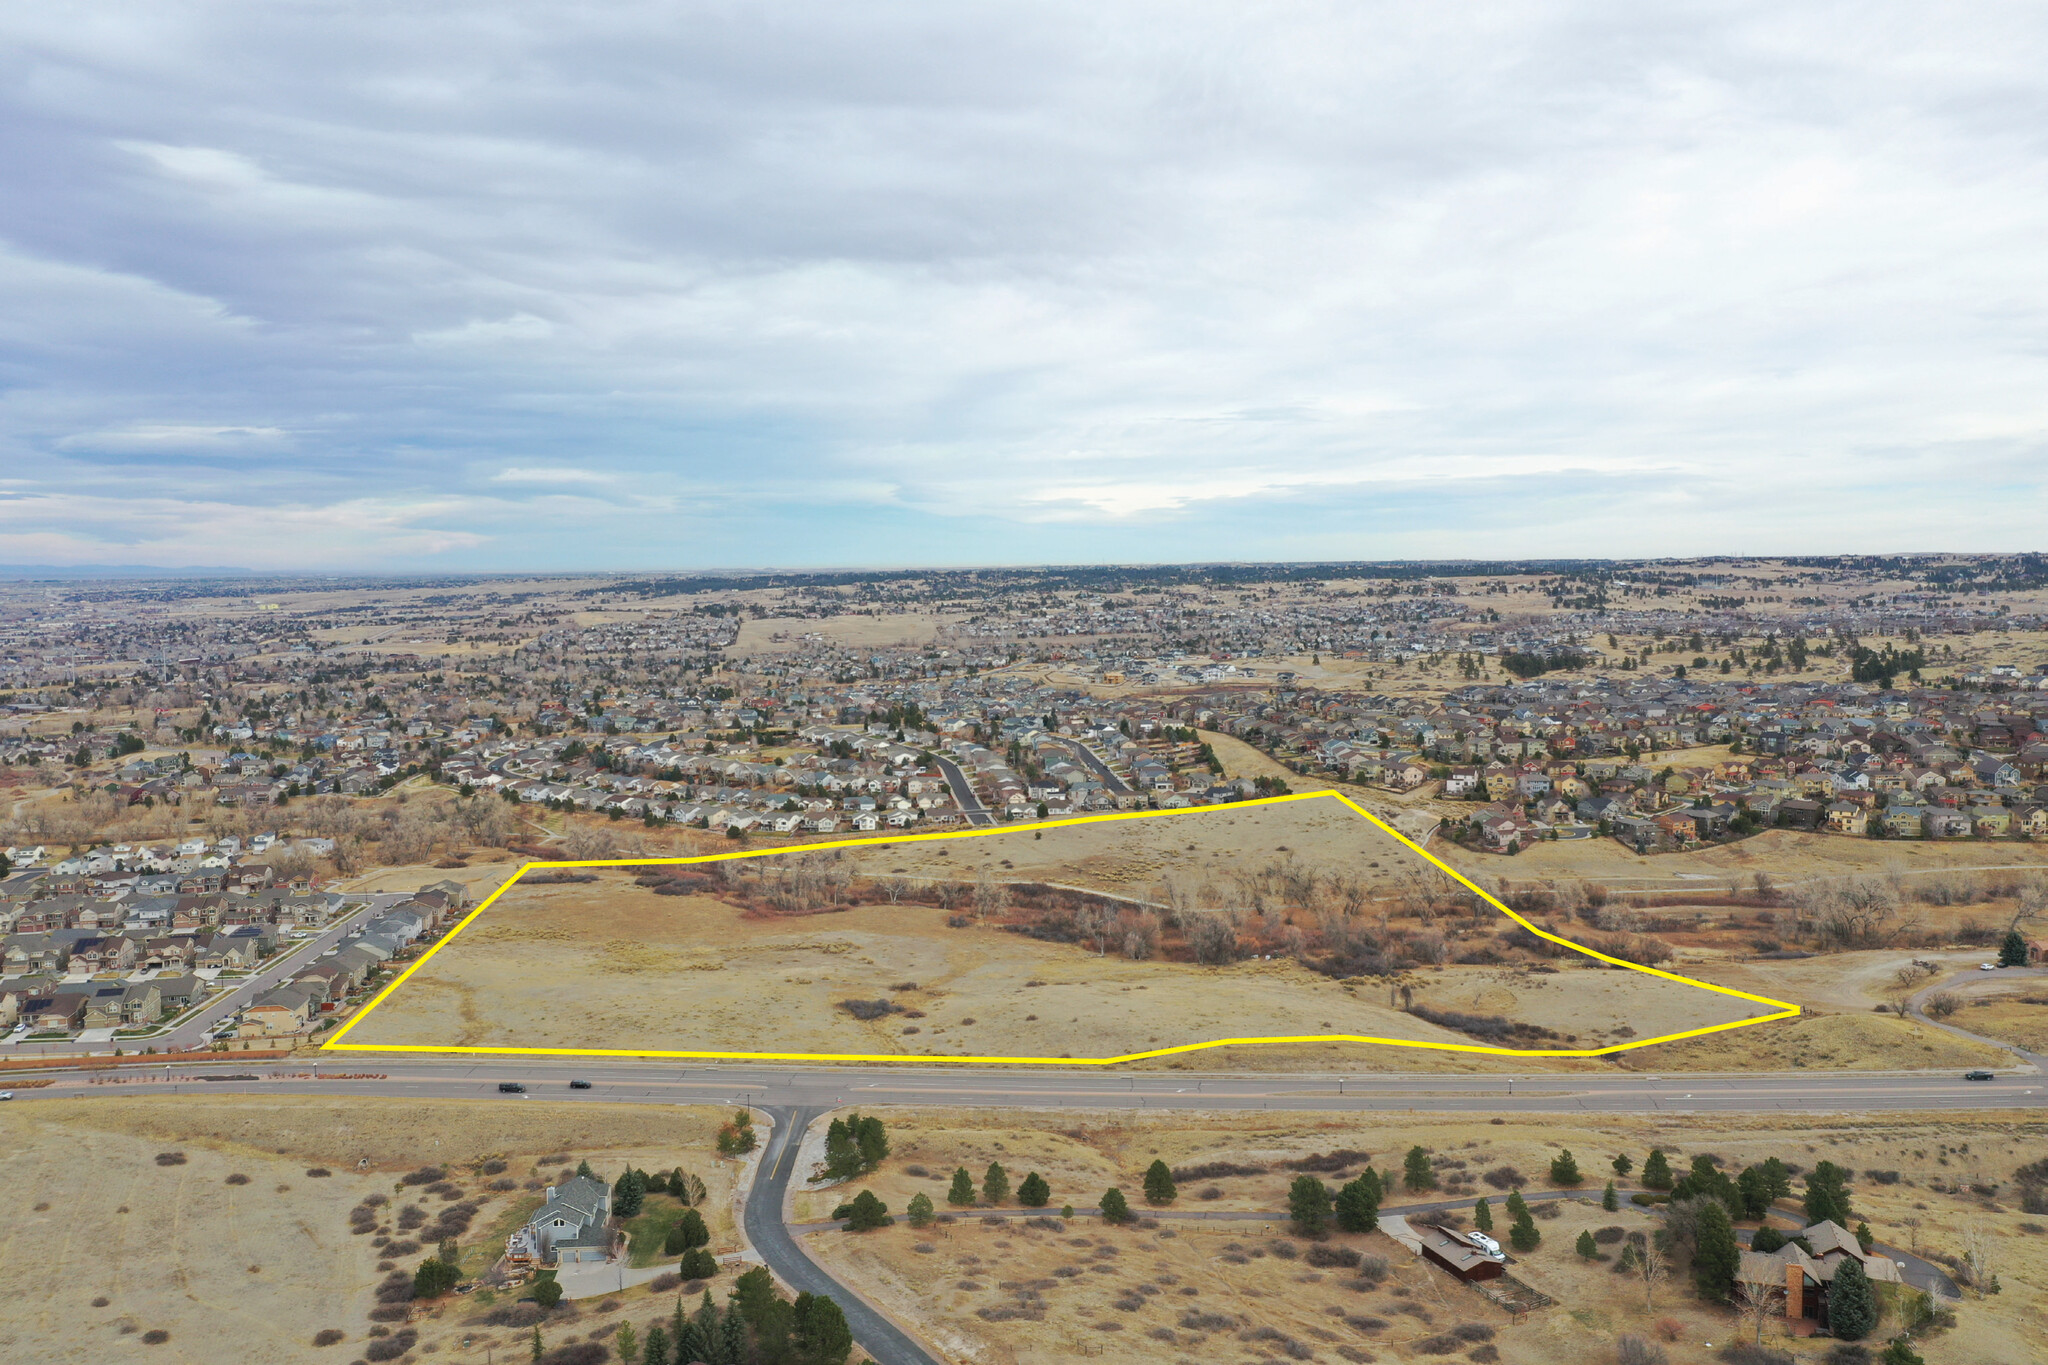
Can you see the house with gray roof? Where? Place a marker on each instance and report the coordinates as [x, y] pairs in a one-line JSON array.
[[572, 1226]]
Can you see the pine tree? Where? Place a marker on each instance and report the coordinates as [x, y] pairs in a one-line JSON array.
[[1308, 1206], [1865, 1238], [752, 1293], [1564, 1170], [2012, 950], [1827, 1195], [1159, 1184], [995, 1184], [732, 1341], [1518, 1207], [872, 1140], [1752, 1186], [629, 1193], [655, 1352], [1415, 1170], [1622, 1165], [1852, 1304], [919, 1210], [1900, 1352], [1358, 1204], [1034, 1193], [1586, 1246], [1777, 1179], [1523, 1236], [1657, 1171], [1610, 1198], [1114, 1207], [1482, 1215], [583, 1169], [1717, 1253], [867, 1212], [962, 1193], [689, 1341], [821, 1334], [628, 1345]]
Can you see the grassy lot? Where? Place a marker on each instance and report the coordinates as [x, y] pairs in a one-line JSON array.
[[648, 1231]]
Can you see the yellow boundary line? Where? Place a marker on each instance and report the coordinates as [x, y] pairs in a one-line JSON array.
[[1784, 1009]]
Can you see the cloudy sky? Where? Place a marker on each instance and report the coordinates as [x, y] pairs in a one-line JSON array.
[[505, 286]]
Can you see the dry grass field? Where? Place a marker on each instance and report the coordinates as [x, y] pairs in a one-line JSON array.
[[609, 963], [1010, 1294], [240, 1253]]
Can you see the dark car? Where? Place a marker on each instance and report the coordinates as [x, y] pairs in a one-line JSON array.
[[579, 1085], [511, 1088], [1978, 1076]]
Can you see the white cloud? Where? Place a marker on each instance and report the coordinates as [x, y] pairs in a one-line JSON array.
[[1159, 266]]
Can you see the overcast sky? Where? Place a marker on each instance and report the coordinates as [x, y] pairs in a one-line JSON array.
[[384, 286]]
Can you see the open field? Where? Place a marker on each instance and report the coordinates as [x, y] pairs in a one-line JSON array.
[[783, 634], [616, 959], [239, 1253], [1010, 1294]]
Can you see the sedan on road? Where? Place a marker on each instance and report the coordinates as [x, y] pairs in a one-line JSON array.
[[1978, 1076]]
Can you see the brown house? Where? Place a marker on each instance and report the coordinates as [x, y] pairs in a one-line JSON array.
[[1456, 1253]]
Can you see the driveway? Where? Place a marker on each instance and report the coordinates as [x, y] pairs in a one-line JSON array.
[[1976, 977]]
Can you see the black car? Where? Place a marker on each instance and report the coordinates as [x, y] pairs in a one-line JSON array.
[[1978, 1076], [579, 1085], [511, 1088]]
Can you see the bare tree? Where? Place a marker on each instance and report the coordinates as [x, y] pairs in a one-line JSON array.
[[1651, 1267], [1977, 1259], [1942, 1005], [584, 845], [1761, 1297], [991, 897], [1212, 935]]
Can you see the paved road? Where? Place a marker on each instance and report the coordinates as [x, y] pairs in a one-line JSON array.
[[193, 1030], [970, 805], [677, 1082], [769, 1233], [1976, 976], [1102, 770], [794, 1096]]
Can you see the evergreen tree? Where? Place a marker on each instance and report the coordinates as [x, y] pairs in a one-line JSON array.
[[1610, 1198], [867, 1212], [1523, 1236], [873, 1142], [1564, 1171], [434, 1278], [1716, 1253], [583, 1169], [771, 1334], [1852, 1303], [819, 1330], [547, 1293], [1753, 1186], [962, 1193], [1415, 1170], [1622, 1165], [1900, 1352], [1482, 1215], [1114, 1208], [697, 1264], [1657, 1171], [1034, 1193], [689, 1343], [732, 1341], [1159, 1184], [655, 1352], [629, 1193], [628, 1345], [1518, 1207], [1865, 1238], [1586, 1246], [2012, 950], [706, 1323], [1777, 1179], [1767, 1239], [752, 1293], [919, 1210], [1827, 1195], [694, 1232], [1308, 1206], [995, 1184], [1358, 1204]]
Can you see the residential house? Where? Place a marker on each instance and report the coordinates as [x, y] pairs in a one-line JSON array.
[[1807, 1277], [571, 1226]]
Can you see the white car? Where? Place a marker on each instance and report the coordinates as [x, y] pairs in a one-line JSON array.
[[1987, 966], [6, 1094], [1484, 1243]]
